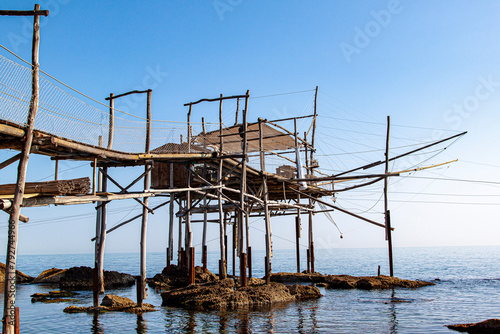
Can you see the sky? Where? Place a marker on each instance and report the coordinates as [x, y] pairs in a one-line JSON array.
[[431, 66]]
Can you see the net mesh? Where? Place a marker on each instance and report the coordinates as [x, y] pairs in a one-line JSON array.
[[66, 113]]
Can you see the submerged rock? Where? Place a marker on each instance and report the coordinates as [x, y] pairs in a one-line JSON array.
[[223, 295], [489, 326], [176, 276], [20, 276], [348, 282], [53, 297]]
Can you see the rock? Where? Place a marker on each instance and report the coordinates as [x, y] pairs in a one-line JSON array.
[[117, 301], [348, 282], [112, 303], [223, 295], [302, 292], [174, 277], [53, 297], [81, 278], [20, 276], [52, 275], [485, 327]]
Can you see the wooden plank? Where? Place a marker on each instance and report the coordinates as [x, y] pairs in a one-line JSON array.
[[79, 186]]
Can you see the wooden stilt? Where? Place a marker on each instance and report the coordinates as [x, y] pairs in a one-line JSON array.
[[267, 216], [222, 226], [297, 238], [234, 244], [204, 259], [146, 202], [180, 261], [191, 265], [10, 263], [170, 254], [17, 327], [388, 233], [242, 216], [308, 261], [249, 261], [243, 274], [102, 237], [97, 262]]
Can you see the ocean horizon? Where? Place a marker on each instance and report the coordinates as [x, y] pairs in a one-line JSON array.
[[466, 280]]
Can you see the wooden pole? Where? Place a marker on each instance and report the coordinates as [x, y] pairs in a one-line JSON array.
[[10, 263], [222, 271], [142, 293], [171, 216], [237, 110], [388, 234], [234, 244], [314, 125], [266, 207], [189, 233], [179, 240], [111, 120], [243, 186], [96, 286], [249, 261], [297, 236], [102, 236], [56, 171], [191, 266], [243, 274], [204, 258]]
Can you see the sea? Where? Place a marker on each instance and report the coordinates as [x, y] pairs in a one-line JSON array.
[[467, 289]]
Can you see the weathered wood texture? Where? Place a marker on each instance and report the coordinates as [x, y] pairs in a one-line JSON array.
[[79, 186]]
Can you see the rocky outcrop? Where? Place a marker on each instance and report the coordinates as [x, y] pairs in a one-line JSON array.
[[50, 276], [223, 295], [112, 303], [81, 278], [349, 282], [174, 277], [20, 276], [490, 326]]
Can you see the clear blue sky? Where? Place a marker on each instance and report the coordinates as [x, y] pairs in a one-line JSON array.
[[432, 65]]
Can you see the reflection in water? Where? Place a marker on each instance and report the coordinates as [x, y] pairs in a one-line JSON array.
[[141, 325], [314, 319], [300, 325], [96, 326], [223, 320], [243, 324], [191, 324], [392, 310]]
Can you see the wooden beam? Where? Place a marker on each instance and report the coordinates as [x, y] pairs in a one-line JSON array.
[[10, 161], [24, 12]]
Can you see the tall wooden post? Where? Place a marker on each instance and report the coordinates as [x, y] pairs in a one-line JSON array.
[[297, 235], [222, 264], [145, 211], [111, 120], [204, 251], [267, 217], [189, 234], [102, 236], [171, 217], [97, 263], [243, 185], [10, 262], [388, 235]]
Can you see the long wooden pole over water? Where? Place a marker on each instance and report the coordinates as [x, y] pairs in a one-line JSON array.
[[10, 262], [388, 234]]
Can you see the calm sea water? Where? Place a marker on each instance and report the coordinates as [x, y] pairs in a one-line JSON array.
[[467, 288]]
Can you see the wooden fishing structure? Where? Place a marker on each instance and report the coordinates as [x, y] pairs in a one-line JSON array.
[[224, 172]]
